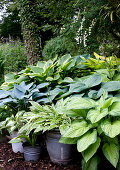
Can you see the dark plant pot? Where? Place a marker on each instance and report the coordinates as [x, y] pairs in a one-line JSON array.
[[59, 153], [32, 153]]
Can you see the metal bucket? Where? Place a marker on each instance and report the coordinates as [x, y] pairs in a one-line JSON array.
[[59, 153], [32, 153]]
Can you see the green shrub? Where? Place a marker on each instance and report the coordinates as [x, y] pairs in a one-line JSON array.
[[14, 56], [60, 46]]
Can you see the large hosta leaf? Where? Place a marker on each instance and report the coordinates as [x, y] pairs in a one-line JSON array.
[[111, 152], [68, 140], [96, 115], [93, 80], [77, 129], [36, 69], [91, 150], [111, 129], [111, 86], [77, 87], [86, 140], [115, 109], [80, 103]]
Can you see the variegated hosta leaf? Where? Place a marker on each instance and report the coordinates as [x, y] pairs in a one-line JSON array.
[[96, 115], [77, 129], [111, 129], [86, 140], [35, 106], [111, 152], [91, 150]]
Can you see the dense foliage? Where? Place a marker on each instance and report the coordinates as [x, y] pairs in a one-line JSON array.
[[92, 26], [13, 55], [79, 95]]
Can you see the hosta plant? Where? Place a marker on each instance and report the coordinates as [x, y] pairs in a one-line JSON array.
[[13, 122], [96, 128], [19, 98]]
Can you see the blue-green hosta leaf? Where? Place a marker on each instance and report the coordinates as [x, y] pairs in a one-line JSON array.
[[111, 152], [111, 86], [92, 164], [77, 129], [95, 115], [95, 94], [93, 80], [26, 87], [55, 92], [115, 109], [44, 100], [111, 129], [16, 93], [81, 103], [77, 87], [42, 85], [91, 150], [86, 140], [3, 94]]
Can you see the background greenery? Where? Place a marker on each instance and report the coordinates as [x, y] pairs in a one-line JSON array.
[[13, 57], [63, 25]]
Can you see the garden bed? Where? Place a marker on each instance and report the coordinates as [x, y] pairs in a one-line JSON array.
[[10, 160]]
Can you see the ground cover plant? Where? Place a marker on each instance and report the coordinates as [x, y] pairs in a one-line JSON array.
[[79, 95]]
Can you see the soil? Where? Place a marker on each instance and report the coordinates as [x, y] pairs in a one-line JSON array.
[[15, 161]]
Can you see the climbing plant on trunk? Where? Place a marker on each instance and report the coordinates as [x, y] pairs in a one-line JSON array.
[[31, 31]]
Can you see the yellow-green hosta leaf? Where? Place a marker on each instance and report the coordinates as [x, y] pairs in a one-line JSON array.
[[111, 152], [96, 115], [36, 69], [91, 150], [68, 140], [86, 140], [115, 109], [111, 129], [77, 129], [80, 103]]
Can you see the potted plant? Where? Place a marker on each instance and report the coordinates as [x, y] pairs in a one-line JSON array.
[[12, 124], [17, 101], [51, 119], [31, 149]]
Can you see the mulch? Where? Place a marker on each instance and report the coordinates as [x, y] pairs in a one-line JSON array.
[[15, 161]]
